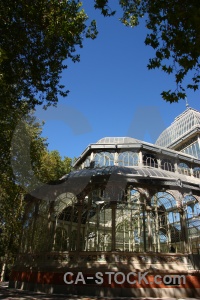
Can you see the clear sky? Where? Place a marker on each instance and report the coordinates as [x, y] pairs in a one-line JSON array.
[[112, 93]]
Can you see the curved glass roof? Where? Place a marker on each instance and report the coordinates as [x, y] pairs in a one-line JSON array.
[[164, 199], [182, 125], [118, 140], [107, 170], [121, 170]]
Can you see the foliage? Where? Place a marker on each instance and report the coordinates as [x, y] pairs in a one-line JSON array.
[[11, 193], [36, 39], [29, 156], [52, 166], [11, 209], [174, 33]]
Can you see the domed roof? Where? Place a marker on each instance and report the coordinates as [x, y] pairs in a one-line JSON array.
[[118, 140], [184, 124]]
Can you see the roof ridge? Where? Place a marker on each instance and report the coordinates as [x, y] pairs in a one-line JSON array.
[[184, 113]]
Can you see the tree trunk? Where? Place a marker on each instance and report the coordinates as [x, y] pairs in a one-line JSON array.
[[3, 272]]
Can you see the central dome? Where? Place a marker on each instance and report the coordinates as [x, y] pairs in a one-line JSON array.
[[182, 127]]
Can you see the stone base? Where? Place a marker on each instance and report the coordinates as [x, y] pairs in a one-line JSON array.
[[54, 283], [108, 274]]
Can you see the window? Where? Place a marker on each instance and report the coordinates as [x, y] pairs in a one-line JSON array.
[[167, 165], [128, 159], [183, 168], [150, 160], [104, 159], [87, 162], [196, 172]]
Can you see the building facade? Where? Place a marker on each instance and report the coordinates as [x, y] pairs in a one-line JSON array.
[[128, 207]]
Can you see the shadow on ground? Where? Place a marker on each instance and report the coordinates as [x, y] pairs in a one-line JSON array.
[[13, 294]]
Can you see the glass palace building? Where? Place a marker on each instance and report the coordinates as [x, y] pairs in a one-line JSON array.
[[129, 207]]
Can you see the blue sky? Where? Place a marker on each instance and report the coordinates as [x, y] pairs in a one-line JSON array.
[[112, 93]]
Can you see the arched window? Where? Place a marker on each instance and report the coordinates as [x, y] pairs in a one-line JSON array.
[[163, 201], [167, 165], [128, 158], [188, 199], [197, 209], [163, 237], [173, 217], [104, 159], [87, 162], [150, 160], [196, 172], [189, 212], [192, 206], [166, 222], [183, 168]]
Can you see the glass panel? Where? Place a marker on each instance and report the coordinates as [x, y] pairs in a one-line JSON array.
[[167, 223], [196, 172], [128, 159], [150, 160], [183, 168], [167, 165], [104, 159]]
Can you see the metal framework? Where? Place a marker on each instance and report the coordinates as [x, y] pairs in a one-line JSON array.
[[128, 205]]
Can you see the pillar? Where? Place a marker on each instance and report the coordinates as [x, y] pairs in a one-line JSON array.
[[34, 226], [144, 228], [157, 229], [140, 163], [113, 208], [184, 229], [116, 158], [78, 242], [159, 163], [149, 231]]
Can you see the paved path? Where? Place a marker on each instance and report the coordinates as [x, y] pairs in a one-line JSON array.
[[13, 294]]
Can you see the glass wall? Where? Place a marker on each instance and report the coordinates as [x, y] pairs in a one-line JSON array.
[[183, 124], [193, 150], [133, 224], [165, 224], [192, 209], [103, 159], [128, 158]]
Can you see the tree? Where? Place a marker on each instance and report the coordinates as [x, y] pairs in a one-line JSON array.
[[11, 190], [11, 213], [52, 167], [28, 163], [174, 33], [36, 39]]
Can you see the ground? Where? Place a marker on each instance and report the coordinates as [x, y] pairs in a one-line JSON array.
[[12, 294]]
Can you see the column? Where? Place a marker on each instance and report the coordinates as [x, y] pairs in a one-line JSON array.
[[51, 226], [78, 242], [35, 216], [91, 157], [97, 240], [70, 247], [184, 230], [176, 166], [168, 233], [149, 231], [116, 158], [159, 163], [157, 229], [144, 228], [140, 163], [113, 208], [54, 235]]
